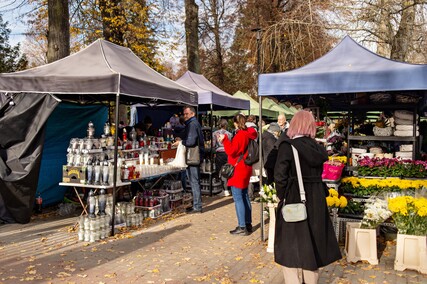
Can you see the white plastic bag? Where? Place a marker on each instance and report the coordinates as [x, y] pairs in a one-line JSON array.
[[179, 160]]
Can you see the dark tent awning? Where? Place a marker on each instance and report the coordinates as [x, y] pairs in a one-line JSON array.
[[347, 68], [209, 94], [101, 68]]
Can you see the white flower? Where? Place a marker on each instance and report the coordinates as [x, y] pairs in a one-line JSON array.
[[376, 212]]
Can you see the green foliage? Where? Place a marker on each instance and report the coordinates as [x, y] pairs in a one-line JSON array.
[[10, 59], [353, 208]]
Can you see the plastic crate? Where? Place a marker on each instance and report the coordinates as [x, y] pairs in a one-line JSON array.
[[150, 212]]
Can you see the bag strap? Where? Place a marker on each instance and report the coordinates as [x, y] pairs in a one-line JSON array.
[[299, 175], [239, 159]]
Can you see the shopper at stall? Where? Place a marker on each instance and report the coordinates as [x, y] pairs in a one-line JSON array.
[[220, 155], [254, 181], [179, 129], [251, 121], [269, 138], [281, 120], [149, 129], [193, 136], [308, 244], [236, 150], [140, 130]]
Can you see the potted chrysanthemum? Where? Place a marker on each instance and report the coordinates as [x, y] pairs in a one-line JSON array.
[[334, 202], [361, 238], [269, 196], [410, 218]]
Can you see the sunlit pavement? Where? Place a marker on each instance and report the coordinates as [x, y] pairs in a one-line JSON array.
[[176, 248]]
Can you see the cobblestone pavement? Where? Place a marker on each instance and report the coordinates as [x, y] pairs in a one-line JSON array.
[[178, 248]]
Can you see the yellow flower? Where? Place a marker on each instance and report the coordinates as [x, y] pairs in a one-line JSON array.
[[336, 201], [330, 201], [333, 192], [422, 212], [409, 214]]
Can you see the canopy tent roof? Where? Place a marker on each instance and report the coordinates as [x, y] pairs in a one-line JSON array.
[[347, 68], [270, 104], [102, 68], [209, 94], [266, 112], [291, 109]]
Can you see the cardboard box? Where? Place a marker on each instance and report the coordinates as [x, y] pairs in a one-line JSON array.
[[72, 174], [167, 154]]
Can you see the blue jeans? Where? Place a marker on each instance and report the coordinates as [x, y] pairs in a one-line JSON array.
[[243, 206], [193, 175]]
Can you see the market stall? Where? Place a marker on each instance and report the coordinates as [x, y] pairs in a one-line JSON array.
[[355, 80], [254, 110], [210, 98], [102, 72]]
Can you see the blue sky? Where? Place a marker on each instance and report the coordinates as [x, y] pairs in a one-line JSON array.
[[12, 13]]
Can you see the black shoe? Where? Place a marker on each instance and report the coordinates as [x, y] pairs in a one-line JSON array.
[[240, 231], [194, 211], [249, 228]]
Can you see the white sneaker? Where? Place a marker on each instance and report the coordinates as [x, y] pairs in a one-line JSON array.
[[226, 193]]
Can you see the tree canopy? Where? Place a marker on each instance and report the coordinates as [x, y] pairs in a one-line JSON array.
[[10, 58]]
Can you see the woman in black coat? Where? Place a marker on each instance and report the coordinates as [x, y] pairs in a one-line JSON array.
[[308, 244]]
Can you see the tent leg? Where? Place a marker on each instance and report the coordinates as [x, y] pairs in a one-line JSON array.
[[116, 136]]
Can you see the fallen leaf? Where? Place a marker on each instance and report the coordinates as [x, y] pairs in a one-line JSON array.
[[112, 275], [238, 258], [43, 239], [63, 274], [82, 275]]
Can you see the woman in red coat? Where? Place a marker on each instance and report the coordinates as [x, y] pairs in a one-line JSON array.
[[236, 150]]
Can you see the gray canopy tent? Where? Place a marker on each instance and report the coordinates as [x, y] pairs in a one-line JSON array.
[[210, 96], [348, 68], [101, 72]]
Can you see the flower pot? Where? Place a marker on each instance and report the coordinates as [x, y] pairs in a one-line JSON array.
[[272, 226], [361, 244], [411, 253]]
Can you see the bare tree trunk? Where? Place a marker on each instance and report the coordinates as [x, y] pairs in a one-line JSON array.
[[192, 35], [402, 40], [384, 32], [58, 39], [111, 14], [219, 61]]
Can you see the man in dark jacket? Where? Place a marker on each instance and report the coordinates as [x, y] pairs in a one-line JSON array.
[[269, 138], [193, 136]]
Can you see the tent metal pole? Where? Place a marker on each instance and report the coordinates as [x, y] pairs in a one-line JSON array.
[[116, 140], [258, 49], [261, 166], [211, 153]]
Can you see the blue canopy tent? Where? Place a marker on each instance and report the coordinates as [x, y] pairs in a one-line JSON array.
[[347, 68]]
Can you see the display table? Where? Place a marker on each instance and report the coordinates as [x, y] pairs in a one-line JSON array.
[[157, 177], [91, 186]]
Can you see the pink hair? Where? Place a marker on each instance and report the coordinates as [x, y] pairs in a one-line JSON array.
[[302, 124]]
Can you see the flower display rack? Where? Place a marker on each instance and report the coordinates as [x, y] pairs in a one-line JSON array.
[[411, 253], [361, 244], [272, 207]]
